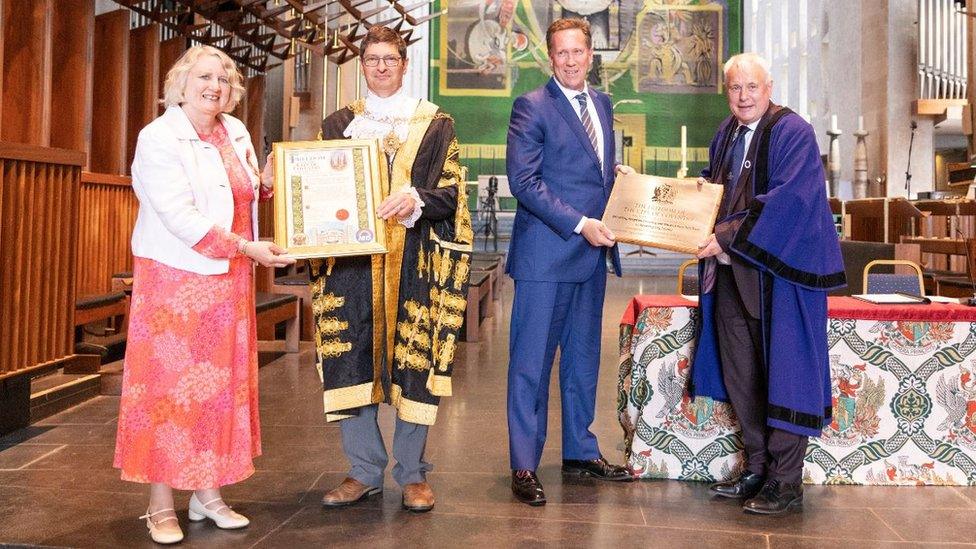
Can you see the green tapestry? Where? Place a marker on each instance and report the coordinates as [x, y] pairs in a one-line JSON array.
[[661, 61]]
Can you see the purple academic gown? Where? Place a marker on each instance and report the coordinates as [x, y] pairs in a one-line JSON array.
[[786, 233]]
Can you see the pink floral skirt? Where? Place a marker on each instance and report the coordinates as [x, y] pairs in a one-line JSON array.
[[189, 410]]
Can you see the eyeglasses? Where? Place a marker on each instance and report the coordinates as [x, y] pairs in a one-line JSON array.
[[389, 61]]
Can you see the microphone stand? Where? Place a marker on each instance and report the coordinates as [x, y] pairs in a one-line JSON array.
[[908, 169]]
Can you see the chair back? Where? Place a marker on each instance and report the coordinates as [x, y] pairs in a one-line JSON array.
[[887, 283], [688, 285]]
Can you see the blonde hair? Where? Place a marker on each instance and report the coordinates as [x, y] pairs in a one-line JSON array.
[[176, 77]]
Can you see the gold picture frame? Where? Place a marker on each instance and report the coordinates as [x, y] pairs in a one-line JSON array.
[[326, 195]]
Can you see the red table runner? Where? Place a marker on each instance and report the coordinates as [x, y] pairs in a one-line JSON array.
[[837, 307]]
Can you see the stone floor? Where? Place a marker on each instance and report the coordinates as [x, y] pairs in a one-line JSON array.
[[58, 488]]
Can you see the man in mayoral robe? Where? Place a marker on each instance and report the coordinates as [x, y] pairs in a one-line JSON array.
[[386, 326]]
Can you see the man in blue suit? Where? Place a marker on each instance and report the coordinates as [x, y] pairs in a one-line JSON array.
[[560, 168]]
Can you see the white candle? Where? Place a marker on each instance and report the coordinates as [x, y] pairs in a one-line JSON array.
[[833, 122], [684, 144], [860, 123]]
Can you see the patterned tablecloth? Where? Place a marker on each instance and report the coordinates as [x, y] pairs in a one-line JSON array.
[[904, 397]]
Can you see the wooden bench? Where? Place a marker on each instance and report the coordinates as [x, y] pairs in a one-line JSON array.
[[478, 307], [113, 308], [494, 269], [122, 282], [291, 280], [273, 309], [296, 284]]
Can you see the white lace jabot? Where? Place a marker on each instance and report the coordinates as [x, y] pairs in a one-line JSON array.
[[381, 115]]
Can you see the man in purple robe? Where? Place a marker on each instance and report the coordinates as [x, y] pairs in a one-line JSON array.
[[765, 273]]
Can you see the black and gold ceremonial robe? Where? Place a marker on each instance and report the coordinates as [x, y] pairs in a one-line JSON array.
[[386, 326]]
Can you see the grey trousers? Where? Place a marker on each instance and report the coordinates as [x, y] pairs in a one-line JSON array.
[[363, 444], [774, 453]]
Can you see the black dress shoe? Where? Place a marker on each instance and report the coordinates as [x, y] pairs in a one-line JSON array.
[[774, 498], [598, 468], [527, 488], [746, 486]]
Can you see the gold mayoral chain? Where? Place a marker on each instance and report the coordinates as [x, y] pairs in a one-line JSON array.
[[391, 141]]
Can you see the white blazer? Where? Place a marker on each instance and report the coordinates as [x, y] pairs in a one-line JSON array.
[[183, 190]]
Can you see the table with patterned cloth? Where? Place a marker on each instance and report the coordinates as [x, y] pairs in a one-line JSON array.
[[904, 397]]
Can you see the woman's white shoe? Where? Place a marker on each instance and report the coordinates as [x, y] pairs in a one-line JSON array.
[[160, 530], [229, 521]]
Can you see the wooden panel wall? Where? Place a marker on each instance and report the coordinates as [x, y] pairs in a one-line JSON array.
[[39, 190], [254, 99], [73, 29], [169, 51], [71, 80], [111, 64], [143, 84], [107, 216], [26, 117], [2, 8]]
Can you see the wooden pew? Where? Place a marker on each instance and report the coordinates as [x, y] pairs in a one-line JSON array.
[[478, 307], [494, 263], [951, 218], [273, 309], [112, 308], [494, 269], [39, 191], [292, 280]]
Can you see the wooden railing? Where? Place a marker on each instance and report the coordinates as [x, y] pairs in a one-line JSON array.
[[108, 214], [39, 200]]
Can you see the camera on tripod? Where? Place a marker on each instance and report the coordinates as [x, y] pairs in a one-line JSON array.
[[489, 213]]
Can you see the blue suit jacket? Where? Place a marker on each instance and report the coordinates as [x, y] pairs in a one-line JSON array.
[[555, 174]]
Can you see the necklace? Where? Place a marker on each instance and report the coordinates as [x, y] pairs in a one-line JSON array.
[[391, 141]]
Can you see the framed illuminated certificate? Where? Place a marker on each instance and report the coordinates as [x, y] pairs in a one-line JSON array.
[[667, 213], [326, 194]]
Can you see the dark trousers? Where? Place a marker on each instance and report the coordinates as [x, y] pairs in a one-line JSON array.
[[775, 453]]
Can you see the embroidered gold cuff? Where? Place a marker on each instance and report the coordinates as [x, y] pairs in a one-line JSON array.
[[344, 398], [439, 385], [410, 410]]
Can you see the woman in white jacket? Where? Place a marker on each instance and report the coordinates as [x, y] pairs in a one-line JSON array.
[[188, 417]]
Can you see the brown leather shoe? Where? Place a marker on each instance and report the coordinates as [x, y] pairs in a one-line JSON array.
[[418, 497], [348, 492]]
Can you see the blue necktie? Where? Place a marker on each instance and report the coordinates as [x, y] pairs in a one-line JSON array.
[[738, 151]]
